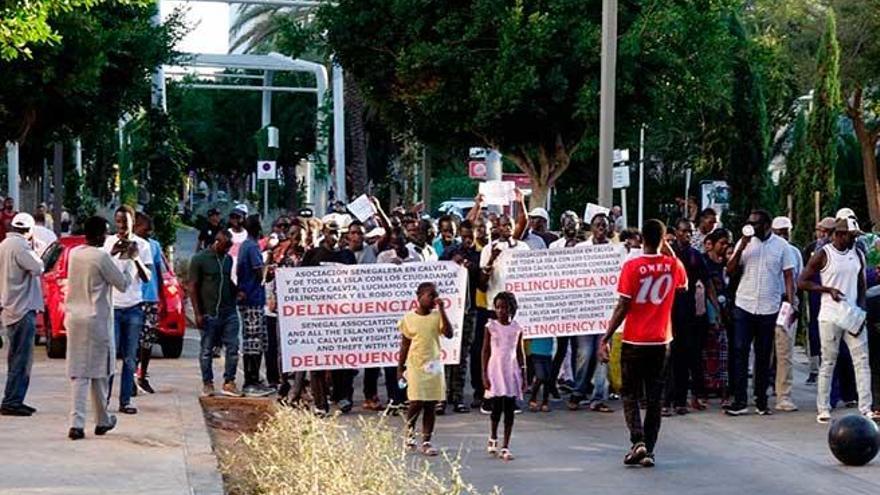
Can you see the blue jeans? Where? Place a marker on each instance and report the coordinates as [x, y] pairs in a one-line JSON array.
[[588, 369], [220, 329], [128, 322], [21, 358], [748, 328]]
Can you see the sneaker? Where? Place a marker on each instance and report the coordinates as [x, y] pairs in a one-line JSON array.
[[763, 411], [635, 455], [230, 390], [321, 413], [786, 405], [345, 406], [664, 411], [393, 409], [461, 408], [207, 390], [851, 404], [736, 410], [103, 429], [143, 385], [648, 461], [484, 409], [254, 390], [440, 408], [517, 409], [372, 405], [823, 417], [681, 410], [812, 379]]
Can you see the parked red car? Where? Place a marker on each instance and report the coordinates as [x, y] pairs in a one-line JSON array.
[[172, 322]]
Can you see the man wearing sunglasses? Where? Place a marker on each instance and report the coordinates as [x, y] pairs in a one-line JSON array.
[[766, 265]]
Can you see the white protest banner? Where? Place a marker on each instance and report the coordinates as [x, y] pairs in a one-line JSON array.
[[345, 316], [362, 208], [498, 193], [560, 292]]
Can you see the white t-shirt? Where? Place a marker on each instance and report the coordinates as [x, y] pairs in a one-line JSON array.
[[426, 253], [134, 295], [494, 286], [237, 239], [390, 256], [560, 243]]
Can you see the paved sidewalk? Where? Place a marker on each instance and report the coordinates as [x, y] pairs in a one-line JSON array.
[[164, 449]]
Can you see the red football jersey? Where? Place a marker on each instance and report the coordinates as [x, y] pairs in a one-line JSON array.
[[650, 282]]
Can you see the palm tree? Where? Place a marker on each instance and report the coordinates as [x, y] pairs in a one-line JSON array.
[[256, 28]]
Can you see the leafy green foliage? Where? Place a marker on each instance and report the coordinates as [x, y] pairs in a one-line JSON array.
[[823, 119], [523, 77], [23, 24], [78, 200], [798, 180], [100, 71], [165, 155]]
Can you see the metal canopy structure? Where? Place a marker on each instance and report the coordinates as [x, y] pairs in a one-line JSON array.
[[270, 64]]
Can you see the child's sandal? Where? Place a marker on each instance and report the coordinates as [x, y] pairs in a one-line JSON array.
[[545, 407], [533, 406], [411, 443], [428, 450], [492, 447], [506, 455]]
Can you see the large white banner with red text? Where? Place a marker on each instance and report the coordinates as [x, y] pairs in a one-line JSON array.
[[566, 291], [345, 316]]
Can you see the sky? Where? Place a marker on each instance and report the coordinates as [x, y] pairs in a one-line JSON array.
[[209, 22]]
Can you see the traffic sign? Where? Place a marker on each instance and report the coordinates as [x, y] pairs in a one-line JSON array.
[[478, 153], [621, 156], [477, 170], [620, 177], [266, 169]]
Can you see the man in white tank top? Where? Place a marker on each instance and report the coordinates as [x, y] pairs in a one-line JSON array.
[[841, 269]]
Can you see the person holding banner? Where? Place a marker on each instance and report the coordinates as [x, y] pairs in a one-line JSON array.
[[589, 369], [420, 366], [647, 287], [571, 227], [328, 252], [466, 255]]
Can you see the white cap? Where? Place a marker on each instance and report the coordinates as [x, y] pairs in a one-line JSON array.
[[844, 213], [241, 208], [23, 221], [540, 213], [780, 223], [377, 232]]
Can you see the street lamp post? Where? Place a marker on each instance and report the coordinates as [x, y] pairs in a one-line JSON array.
[[606, 101]]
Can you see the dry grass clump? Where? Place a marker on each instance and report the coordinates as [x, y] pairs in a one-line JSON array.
[[295, 453]]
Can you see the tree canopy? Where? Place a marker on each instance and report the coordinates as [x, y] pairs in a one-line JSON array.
[[523, 77]]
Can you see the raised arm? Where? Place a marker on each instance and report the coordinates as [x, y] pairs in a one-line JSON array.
[[477, 209], [522, 219]]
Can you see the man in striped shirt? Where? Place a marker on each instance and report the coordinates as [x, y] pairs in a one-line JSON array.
[[766, 265]]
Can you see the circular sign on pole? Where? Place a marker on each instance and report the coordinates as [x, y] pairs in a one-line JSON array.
[[477, 169], [266, 169]]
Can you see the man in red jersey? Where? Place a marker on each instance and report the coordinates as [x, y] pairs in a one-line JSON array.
[[647, 288]]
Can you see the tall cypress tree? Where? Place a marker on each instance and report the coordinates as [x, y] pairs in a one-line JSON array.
[[748, 173], [799, 183], [822, 127]]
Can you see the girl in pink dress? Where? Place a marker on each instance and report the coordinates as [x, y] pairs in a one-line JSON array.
[[503, 369]]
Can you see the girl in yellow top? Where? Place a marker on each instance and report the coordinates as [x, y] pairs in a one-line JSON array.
[[420, 355]]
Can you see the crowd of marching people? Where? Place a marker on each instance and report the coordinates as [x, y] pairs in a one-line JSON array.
[[736, 315]]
